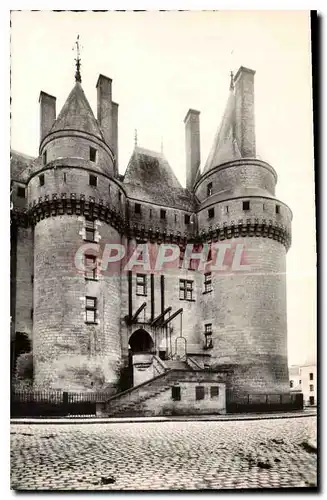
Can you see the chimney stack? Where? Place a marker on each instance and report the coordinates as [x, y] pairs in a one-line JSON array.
[[104, 108], [114, 131], [244, 112], [192, 145], [47, 113]]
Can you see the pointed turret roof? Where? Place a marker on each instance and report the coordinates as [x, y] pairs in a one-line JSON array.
[[225, 147], [77, 114]]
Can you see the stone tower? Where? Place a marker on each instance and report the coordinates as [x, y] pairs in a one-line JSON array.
[[76, 338], [238, 206]]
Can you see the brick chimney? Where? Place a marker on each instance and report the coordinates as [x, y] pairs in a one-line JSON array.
[[47, 113], [244, 112], [104, 107], [192, 146]]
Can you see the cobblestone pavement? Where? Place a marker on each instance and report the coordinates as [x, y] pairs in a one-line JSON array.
[[164, 456]]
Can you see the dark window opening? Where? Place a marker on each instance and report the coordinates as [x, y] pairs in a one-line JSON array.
[[214, 391], [311, 400], [311, 388], [150, 213], [291, 383], [65, 177], [277, 209], [209, 189], [176, 393], [137, 208], [21, 192], [175, 217], [187, 218], [90, 267], [141, 284], [141, 341], [207, 283], [199, 393], [246, 205], [90, 309], [41, 179], [211, 213], [93, 180], [32, 313], [311, 376], [32, 279], [93, 154], [89, 230], [44, 158], [226, 209], [162, 214], [186, 290]]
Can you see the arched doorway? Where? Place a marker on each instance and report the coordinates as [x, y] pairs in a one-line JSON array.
[[140, 341]]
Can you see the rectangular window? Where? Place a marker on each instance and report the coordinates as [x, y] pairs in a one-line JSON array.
[[264, 206], [199, 393], [141, 284], [209, 189], [44, 158], [162, 214], [246, 205], [41, 179], [187, 218], [150, 213], [21, 192], [32, 279], [277, 209], [93, 154], [176, 393], [211, 213], [208, 336], [90, 267], [300, 382], [186, 290], [65, 177], [291, 383], [90, 230], [311, 400], [207, 283], [137, 208], [311, 388], [175, 217], [32, 313], [93, 180], [90, 309], [226, 209], [311, 376], [214, 391]]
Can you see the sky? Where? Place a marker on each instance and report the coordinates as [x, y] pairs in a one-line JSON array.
[[162, 64]]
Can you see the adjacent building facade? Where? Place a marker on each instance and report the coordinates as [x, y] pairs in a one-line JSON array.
[[304, 379], [89, 328]]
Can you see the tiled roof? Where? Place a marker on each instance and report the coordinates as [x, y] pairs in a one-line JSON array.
[[224, 146], [77, 114], [19, 162], [150, 178]]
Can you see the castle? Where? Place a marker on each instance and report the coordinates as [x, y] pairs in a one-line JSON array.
[[181, 338]]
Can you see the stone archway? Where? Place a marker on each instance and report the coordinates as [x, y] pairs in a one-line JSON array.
[[140, 341]]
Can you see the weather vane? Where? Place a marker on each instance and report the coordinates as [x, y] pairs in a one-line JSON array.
[[77, 46]]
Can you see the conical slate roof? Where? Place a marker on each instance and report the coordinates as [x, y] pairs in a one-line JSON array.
[[77, 114], [224, 146]]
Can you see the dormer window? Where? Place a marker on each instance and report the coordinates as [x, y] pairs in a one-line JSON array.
[[93, 154], [209, 189]]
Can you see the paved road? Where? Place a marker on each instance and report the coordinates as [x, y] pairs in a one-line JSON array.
[[165, 455]]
